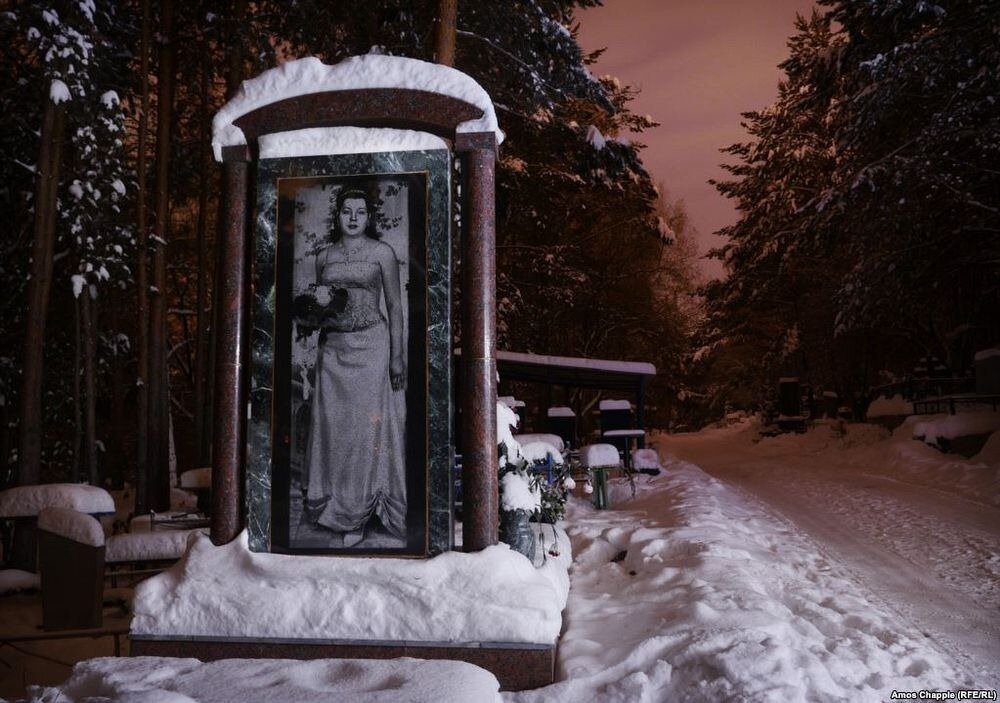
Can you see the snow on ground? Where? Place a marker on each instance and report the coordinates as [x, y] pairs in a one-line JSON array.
[[883, 407], [909, 461], [170, 680], [935, 427], [690, 592], [918, 528], [872, 450], [597, 455], [694, 590]]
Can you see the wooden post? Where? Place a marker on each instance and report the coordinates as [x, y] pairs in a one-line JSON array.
[[479, 432]]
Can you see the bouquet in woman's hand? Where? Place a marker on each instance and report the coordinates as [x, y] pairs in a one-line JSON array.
[[312, 309]]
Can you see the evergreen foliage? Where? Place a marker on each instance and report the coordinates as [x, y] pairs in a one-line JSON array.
[[581, 234], [68, 52], [869, 201]]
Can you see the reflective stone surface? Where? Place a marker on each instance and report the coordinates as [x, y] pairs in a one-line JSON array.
[[266, 486]]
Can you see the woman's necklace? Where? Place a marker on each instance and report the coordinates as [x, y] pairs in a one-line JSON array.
[[351, 253]]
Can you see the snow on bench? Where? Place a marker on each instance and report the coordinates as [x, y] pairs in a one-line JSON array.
[[26, 501], [612, 404], [136, 546], [148, 546], [560, 411], [593, 456], [540, 451], [553, 439], [624, 433]]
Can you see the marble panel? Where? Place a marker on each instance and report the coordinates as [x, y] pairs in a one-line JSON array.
[[293, 215]]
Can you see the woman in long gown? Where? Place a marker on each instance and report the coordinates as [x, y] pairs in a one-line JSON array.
[[355, 460]]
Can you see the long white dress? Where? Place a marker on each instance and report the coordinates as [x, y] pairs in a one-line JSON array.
[[355, 462]]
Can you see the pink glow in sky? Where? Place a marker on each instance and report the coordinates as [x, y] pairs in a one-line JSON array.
[[699, 65]]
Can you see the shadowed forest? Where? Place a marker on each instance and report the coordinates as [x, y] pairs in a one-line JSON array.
[[868, 238]]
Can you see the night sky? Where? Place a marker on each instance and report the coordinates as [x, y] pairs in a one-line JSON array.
[[699, 63]]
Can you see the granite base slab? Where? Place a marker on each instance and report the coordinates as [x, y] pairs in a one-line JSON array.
[[517, 666]]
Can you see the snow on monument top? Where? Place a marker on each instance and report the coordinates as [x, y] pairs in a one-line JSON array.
[[71, 524], [310, 75]]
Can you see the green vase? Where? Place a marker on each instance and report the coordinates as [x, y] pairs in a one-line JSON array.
[[515, 530]]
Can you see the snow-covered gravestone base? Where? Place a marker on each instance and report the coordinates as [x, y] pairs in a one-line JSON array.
[[486, 607]]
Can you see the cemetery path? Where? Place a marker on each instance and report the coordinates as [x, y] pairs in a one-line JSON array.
[[932, 556]]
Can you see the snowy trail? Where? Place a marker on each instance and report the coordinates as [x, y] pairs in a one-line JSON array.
[[693, 591], [932, 557]]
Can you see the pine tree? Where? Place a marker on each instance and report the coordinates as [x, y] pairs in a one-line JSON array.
[[919, 121], [868, 202], [774, 306]]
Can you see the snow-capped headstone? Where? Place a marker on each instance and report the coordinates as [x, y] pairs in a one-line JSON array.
[[380, 132], [987, 369], [353, 211]]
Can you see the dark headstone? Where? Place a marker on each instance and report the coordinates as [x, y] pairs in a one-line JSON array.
[[72, 576], [830, 404], [789, 397], [987, 366], [562, 422]]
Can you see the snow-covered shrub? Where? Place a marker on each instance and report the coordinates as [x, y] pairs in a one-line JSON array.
[[520, 497], [547, 503]]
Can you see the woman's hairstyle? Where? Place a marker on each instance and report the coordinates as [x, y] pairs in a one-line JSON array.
[[355, 192]]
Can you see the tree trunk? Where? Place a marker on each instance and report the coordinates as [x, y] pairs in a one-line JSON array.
[[159, 477], [120, 420], [444, 38], [77, 472], [39, 287], [234, 71], [88, 308], [142, 284], [201, 449]]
